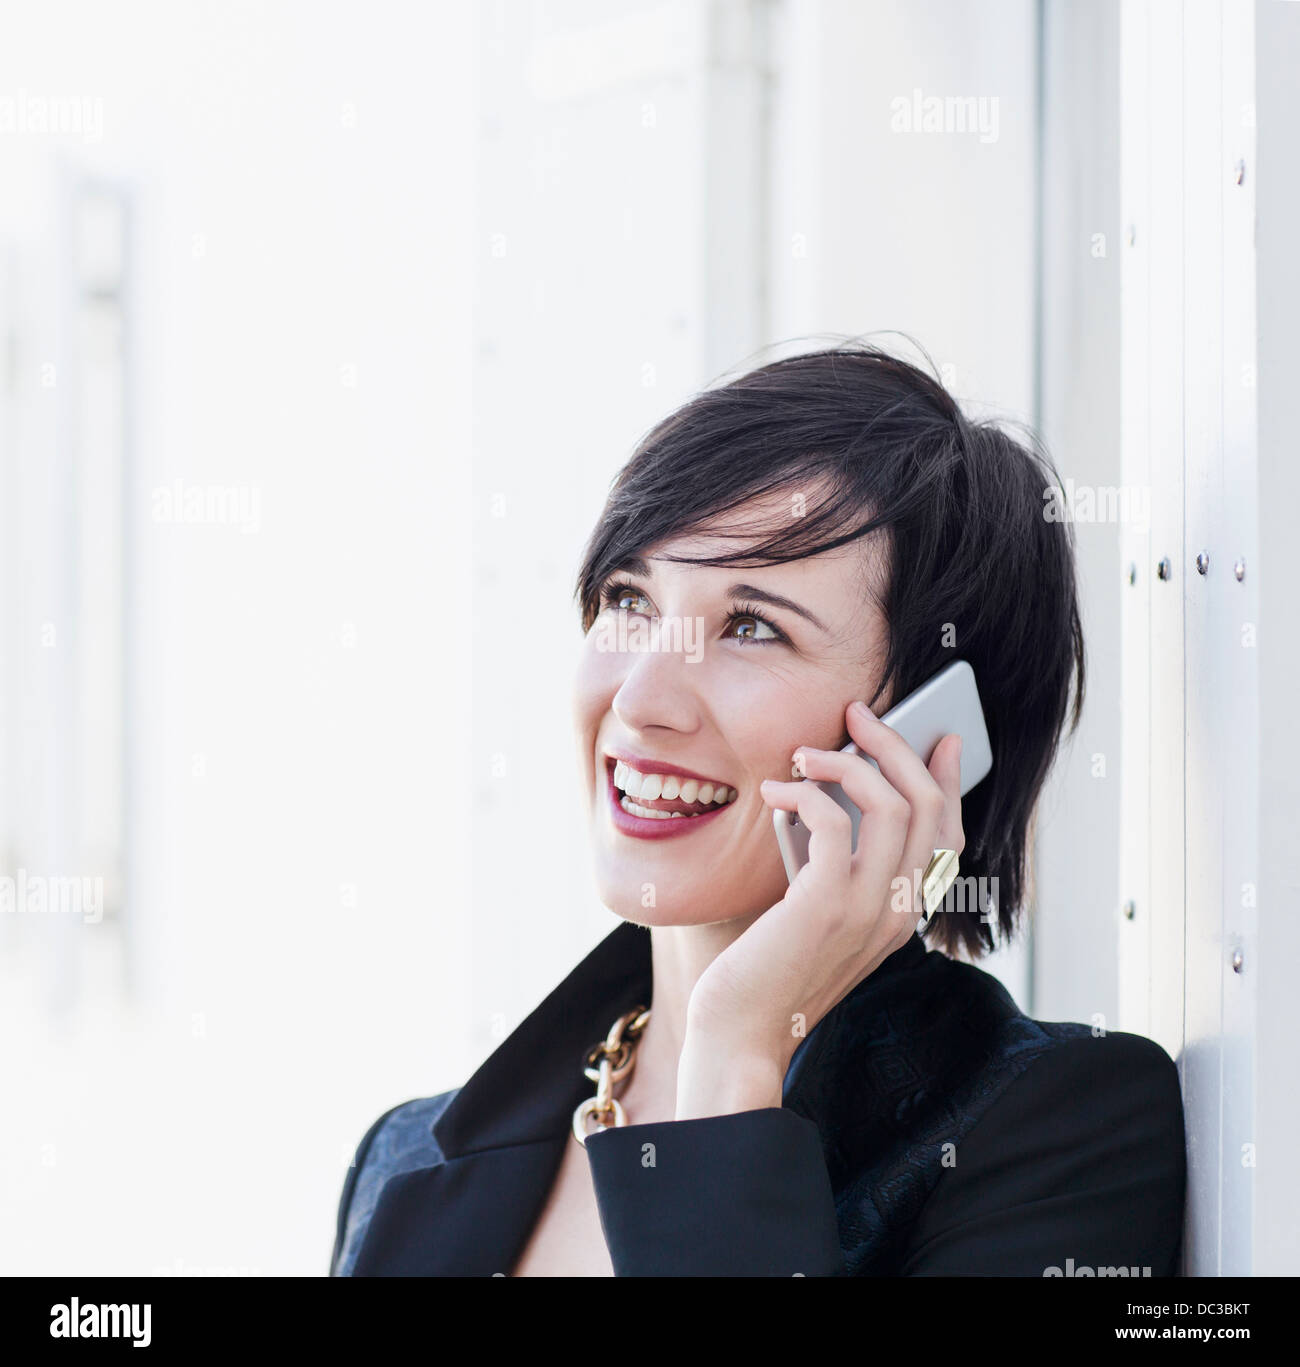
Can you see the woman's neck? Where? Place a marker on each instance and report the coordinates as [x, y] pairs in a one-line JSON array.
[[678, 956]]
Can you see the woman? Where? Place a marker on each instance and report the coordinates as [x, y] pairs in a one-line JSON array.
[[819, 1086]]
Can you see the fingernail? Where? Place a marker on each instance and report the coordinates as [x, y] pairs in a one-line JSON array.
[[863, 710]]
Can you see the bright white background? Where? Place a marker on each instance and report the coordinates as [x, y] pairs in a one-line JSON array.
[[420, 276], [186, 1096]]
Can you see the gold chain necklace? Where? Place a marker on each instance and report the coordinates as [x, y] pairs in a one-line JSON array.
[[608, 1063]]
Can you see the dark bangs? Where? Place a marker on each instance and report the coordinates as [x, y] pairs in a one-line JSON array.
[[860, 442]]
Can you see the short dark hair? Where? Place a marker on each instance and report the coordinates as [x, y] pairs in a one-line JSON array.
[[965, 508]]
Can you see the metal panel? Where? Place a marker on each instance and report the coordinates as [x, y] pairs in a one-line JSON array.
[[1190, 666], [1270, 583], [1136, 560], [1166, 385], [1197, 576], [1235, 656]]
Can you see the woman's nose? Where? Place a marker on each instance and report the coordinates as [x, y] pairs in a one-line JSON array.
[[659, 688]]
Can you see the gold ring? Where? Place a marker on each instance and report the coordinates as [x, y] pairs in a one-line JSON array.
[[940, 874]]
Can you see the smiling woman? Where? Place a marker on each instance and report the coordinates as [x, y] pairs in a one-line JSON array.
[[787, 1078]]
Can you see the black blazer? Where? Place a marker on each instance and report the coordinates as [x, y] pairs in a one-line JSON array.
[[927, 1127]]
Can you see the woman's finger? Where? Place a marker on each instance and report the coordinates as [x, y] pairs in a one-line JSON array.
[[946, 832], [886, 814], [945, 765], [830, 832], [904, 802], [883, 832], [908, 772], [898, 762]]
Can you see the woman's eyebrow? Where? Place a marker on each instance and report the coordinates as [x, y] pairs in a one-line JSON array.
[[775, 600], [638, 565]]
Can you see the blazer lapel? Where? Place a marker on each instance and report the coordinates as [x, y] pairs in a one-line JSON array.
[[501, 1137], [466, 1217]]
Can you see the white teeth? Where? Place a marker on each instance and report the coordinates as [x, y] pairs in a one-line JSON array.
[[649, 787], [627, 779], [635, 810]]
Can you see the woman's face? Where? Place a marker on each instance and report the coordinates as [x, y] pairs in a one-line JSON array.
[[732, 684]]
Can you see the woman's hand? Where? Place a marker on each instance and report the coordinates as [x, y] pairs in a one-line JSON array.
[[844, 914]]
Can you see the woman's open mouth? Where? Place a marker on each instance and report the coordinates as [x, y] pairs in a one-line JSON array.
[[654, 806]]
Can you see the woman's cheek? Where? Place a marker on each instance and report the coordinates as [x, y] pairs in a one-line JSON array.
[[595, 682]]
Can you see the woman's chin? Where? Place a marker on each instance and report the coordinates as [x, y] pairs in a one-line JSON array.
[[628, 903]]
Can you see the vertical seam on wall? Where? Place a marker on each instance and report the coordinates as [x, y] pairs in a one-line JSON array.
[[1212, 621], [1036, 363], [1183, 569]]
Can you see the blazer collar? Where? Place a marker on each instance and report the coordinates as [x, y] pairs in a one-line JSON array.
[[503, 1134]]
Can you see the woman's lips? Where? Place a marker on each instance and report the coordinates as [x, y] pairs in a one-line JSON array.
[[655, 828]]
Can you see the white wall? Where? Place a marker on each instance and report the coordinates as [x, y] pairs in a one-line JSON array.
[[1076, 934], [303, 204], [1270, 803], [591, 324]]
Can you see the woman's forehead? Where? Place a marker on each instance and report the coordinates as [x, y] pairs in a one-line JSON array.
[[863, 561]]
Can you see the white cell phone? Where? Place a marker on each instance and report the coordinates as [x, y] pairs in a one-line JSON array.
[[947, 703]]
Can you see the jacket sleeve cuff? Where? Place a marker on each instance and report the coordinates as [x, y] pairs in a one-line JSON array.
[[740, 1195]]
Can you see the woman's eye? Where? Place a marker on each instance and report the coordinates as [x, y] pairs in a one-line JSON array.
[[747, 627], [633, 602], [743, 624], [626, 599]]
